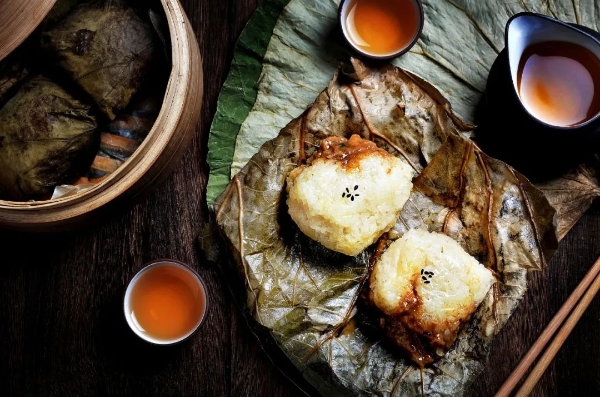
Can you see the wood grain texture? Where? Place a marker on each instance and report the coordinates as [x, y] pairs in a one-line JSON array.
[[62, 332], [18, 18]]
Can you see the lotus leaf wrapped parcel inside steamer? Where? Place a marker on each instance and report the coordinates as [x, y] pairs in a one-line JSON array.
[[106, 49], [46, 138]]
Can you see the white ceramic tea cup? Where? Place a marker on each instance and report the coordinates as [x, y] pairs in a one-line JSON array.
[[345, 14], [199, 291]]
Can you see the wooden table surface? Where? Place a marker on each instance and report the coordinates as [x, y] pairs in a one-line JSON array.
[[62, 331]]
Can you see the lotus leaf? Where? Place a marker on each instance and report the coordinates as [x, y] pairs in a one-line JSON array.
[[290, 49], [106, 49], [46, 138], [307, 296]]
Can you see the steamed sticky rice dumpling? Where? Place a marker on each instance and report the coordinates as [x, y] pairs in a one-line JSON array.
[[46, 137], [349, 194], [106, 49], [314, 304], [427, 286]]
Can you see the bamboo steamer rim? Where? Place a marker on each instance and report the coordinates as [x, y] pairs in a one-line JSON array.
[[152, 146], [18, 19]]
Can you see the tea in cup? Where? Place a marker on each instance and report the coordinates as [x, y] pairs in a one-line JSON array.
[[541, 109], [381, 29], [555, 70], [165, 302]]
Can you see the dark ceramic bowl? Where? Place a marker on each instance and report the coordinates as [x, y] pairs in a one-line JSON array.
[[343, 11], [508, 131]]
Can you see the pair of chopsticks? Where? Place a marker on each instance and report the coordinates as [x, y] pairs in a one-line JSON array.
[[574, 307]]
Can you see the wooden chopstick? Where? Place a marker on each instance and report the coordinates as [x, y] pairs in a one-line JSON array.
[[593, 276], [558, 341]]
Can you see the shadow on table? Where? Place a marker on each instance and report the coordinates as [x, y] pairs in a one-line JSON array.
[[122, 349]]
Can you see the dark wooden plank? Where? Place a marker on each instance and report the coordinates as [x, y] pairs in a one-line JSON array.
[[62, 332], [576, 369]]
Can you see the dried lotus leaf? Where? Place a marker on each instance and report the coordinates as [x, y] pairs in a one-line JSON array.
[[13, 72], [306, 296], [572, 194], [9, 78], [60, 10], [106, 49], [46, 137]]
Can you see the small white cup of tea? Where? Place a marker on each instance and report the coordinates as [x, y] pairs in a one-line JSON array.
[[165, 302], [381, 29]]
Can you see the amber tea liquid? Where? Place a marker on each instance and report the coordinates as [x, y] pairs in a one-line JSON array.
[[166, 302], [382, 27], [559, 82]]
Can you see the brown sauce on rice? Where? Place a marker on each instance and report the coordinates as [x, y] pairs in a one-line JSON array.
[[347, 151]]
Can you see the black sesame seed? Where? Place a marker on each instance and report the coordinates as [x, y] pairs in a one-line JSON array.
[[357, 194], [422, 271], [430, 276], [424, 278], [352, 198], [355, 187], [343, 195], [347, 190], [427, 282]]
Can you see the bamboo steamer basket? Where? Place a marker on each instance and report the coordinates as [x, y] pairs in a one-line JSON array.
[[18, 18], [151, 163]]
